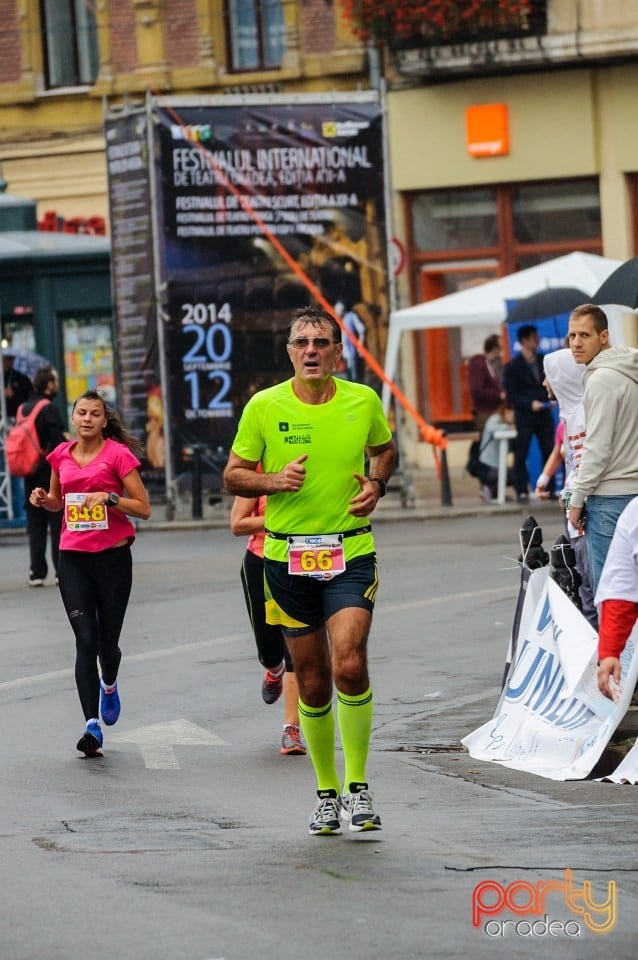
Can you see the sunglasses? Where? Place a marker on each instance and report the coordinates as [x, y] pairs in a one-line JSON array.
[[300, 343]]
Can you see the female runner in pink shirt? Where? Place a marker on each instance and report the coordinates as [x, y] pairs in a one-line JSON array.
[[96, 482]]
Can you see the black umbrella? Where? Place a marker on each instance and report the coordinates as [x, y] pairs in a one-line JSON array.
[[547, 303], [621, 286]]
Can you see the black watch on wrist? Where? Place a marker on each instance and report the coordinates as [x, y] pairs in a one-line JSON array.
[[382, 485], [112, 500]]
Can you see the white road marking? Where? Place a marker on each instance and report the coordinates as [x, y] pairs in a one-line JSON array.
[[156, 741]]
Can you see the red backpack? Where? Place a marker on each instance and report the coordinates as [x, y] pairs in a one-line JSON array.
[[22, 446]]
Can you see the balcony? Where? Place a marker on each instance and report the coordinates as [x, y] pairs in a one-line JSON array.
[[454, 26], [510, 36]]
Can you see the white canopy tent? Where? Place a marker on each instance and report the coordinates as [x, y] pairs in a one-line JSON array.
[[486, 304]]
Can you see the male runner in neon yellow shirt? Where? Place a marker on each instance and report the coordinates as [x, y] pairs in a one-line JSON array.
[[311, 434]]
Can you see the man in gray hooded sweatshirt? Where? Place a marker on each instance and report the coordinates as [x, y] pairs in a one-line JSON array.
[[608, 472]]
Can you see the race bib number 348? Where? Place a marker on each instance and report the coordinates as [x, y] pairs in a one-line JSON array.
[[79, 518]]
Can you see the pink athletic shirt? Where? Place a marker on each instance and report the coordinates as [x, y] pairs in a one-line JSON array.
[[104, 473]]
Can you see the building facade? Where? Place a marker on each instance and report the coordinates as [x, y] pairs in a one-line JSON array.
[[62, 60], [555, 170]]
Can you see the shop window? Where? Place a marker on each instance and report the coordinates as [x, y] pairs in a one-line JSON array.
[[454, 219], [256, 34], [69, 35], [554, 212], [88, 358]]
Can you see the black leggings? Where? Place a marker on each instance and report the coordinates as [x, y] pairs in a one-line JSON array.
[[271, 646], [95, 589]]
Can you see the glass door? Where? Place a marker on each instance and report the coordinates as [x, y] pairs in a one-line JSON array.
[[442, 353]]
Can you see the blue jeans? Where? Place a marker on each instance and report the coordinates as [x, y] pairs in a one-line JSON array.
[[602, 515]]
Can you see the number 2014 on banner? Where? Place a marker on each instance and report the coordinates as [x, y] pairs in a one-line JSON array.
[[203, 313]]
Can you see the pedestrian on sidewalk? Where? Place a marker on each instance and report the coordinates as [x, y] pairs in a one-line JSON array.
[[247, 519], [43, 525], [311, 434], [95, 482], [485, 378], [607, 478], [523, 378]]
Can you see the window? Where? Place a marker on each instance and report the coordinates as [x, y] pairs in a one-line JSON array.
[[69, 32], [457, 237], [556, 212], [256, 33], [452, 220]]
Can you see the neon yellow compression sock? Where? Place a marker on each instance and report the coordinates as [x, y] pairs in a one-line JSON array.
[[318, 727], [354, 715]]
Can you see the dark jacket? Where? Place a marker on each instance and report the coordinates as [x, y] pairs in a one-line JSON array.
[[522, 387], [485, 389], [21, 389], [50, 430]]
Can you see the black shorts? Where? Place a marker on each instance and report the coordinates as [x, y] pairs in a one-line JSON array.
[[301, 604]]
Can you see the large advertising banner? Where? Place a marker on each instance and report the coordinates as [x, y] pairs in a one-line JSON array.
[[552, 720], [230, 179], [139, 397]]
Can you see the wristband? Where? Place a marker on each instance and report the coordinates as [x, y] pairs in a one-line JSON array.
[[382, 485], [543, 480]]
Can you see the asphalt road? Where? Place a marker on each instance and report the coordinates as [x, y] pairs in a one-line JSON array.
[[188, 840]]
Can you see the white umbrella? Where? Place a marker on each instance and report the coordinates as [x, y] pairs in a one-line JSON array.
[[26, 361]]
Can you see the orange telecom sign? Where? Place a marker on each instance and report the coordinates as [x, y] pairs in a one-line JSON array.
[[487, 130]]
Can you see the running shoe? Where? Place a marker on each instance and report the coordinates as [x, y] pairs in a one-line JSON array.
[[271, 687], [109, 705], [90, 743], [356, 808], [325, 817], [35, 582], [291, 743]]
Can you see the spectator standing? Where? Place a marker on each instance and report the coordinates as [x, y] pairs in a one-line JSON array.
[[607, 477], [564, 383], [310, 434], [17, 387], [17, 390], [40, 523], [485, 375], [523, 378]]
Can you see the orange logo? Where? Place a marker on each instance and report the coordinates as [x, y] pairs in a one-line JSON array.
[[525, 899]]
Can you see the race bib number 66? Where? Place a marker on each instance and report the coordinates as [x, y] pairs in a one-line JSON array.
[[321, 557], [80, 518]]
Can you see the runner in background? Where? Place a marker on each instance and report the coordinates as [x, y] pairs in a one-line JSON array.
[[247, 519]]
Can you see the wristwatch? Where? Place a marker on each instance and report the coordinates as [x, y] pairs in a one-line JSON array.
[[112, 500], [382, 485]]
